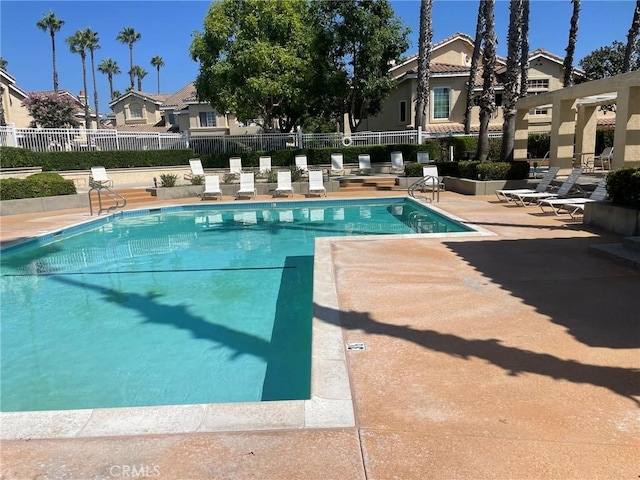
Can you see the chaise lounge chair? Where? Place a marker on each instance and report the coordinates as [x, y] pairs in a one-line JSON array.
[[542, 186], [569, 205], [212, 187], [337, 164], [196, 169], [397, 162], [423, 157], [364, 164], [235, 165], [432, 179], [316, 185], [265, 164], [247, 186], [301, 164], [99, 178], [284, 183], [564, 190]]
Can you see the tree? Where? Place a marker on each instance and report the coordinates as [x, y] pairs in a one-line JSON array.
[[157, 62], [78, 44], [632, 39], [51, 110], [92, 45], [473, 70], [3, 63], [52, 24], [116, 94], [511, 84], [607, 61], [129, 36], [487, 98], [361, 38], [424, 58], [109, 67], [571, 47], [524, 50], [139, 73]]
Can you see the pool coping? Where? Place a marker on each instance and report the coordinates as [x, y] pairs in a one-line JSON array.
[[330, 405]]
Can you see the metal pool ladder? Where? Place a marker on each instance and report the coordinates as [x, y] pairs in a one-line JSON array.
[[101, 188], [434, 184]]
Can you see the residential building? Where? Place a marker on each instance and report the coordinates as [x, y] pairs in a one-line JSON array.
[[12, 98]]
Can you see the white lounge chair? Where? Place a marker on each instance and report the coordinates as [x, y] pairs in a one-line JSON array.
[[604, 159], [316, 185], [99, 178], [432, 179], [542, 186], [301, 163], [212, 187], [196, 169], [265, 164], [564, 190], [284, 183], [566, 205], [423, 157], [397, 162], [364, 164], [247, 186], [337, 164], [235, 165]]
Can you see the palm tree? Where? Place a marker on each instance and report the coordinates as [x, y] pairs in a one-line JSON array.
[[632, 38], [571, 47], [52, 24], [524, 49], [78, 44], [109, 67], [511, 84], [116, 94], [424, 57], [92, 45], [157, 62], [129, 36], [487, 100], [139, 72], [3, 63], [473, 70]]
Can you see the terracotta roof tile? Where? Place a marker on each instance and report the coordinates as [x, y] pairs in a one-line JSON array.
[[456, 128], [178, 99]]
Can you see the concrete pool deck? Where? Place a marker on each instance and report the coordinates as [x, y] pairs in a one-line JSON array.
[[507, 356]]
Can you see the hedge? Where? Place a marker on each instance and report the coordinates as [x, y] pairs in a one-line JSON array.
[[35, 186], [623, 186], [475, 170]]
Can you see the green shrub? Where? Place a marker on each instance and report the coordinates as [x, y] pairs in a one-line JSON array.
[[604, 138], [296, 173], [538, 144], [12, 157], [413, 169], [623, 186], [35, 186], [197, 180], [468, 170], [272, 176], [169, 179]]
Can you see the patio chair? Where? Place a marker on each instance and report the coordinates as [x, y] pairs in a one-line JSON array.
[[542, 186], [604, 159], [247, 186], [212, 187], [316, 185], [265, 164], [364, 164], [284, 183], [301, 164], [337, 164], [566, 205], [99, 178], [397, 162], [432, 179], [235, 165], [564, 190], [423, 157], [196, 169]]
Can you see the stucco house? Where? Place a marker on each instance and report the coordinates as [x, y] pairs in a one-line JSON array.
[[12, 97], [450, 68]]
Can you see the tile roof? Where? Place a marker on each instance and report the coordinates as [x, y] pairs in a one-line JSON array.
[[455, 128], [142, 128], [178, 100]]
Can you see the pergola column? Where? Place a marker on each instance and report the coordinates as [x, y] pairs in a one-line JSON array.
[[563, 128], [586, 123], [521, 135], [626, 145]]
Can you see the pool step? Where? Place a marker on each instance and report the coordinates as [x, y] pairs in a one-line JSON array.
[[360, 184], [134, 196], [626, 253]]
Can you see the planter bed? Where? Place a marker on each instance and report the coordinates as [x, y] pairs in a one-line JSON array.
[[471, 187], [612, 218]]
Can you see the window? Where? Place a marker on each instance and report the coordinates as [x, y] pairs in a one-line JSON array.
[[403, 111], [135, 110], [441, 103], [171, 119], [539, 111], [207, 119], [538, 84]]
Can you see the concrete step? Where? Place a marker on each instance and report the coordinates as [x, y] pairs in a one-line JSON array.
[[619, 253], [631, 243], [132, 195]]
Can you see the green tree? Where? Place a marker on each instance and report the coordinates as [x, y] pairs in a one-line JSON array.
[[50, 110], [78, 43], [424, 58], [109, 67], [52, 24], [139, 73], [157, 62], [92, 45], [571, 47], [487, 98], [632, 39], [607, 61], [473, 70], [129, 36]]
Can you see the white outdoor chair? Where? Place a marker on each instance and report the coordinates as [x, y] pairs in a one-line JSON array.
[[316, 185], [542, 186], [337, 164], [301, 163], [397, 162], [284, 183], [423, 157], [212, 187], [196, 169], [247, 186], [432, 179], [99, 178], [265, 164], [235, 165], [364, 164]]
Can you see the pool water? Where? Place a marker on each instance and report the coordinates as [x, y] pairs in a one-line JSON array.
[[180, 306]]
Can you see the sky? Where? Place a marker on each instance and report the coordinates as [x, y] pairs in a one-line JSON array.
[[166, 27]]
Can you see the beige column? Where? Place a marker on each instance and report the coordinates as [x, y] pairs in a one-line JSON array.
[[521, 135], [563, 128], [626, 145], [586, 124]]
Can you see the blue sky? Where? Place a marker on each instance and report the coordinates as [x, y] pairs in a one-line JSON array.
[[167, 26]]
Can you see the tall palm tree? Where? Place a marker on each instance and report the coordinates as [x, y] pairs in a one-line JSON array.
[[78, 44], [632, 38], [52, 24], [3, 63], [92, 45], [140, 73], [473, 70], [511, 84], [424, 57], [109, 67], [524, 49], [571, 47], [129, 36], [487, 100], [157, 62]]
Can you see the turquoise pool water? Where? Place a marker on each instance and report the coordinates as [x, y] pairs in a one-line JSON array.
[[179, 306]]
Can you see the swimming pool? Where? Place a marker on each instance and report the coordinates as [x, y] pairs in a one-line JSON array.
[[178, 306]]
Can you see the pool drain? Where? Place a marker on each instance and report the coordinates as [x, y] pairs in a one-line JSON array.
[[355, 346]]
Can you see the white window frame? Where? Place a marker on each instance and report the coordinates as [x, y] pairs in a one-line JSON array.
[[210, 119], [433, 103], [135, 107]]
